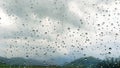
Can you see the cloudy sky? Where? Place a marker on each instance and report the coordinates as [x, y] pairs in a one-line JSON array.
[[59, 30]]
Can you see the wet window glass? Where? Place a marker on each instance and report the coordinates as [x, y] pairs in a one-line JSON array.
[[59, 33]]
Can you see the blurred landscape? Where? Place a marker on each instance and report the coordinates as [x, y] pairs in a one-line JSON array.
[[85, 62]]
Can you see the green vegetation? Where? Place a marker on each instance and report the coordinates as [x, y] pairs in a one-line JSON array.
[[88, 62], [91, 62], [109, 63], [17, 66]]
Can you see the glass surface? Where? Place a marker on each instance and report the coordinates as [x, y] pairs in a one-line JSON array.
[[59, 33]]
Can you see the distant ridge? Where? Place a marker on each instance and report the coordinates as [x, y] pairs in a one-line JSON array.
[[20, 61], [84, 62]]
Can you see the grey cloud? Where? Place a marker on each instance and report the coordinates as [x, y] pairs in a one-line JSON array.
[[56, 9]]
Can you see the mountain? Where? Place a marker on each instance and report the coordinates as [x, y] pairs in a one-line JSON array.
[[82, 62], [20, 61], [86, 62], [2, 60]]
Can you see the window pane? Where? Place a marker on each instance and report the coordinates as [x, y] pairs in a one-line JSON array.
[[59, 34]]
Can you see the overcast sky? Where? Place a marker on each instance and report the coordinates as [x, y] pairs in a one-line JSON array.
[[59, 30]]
